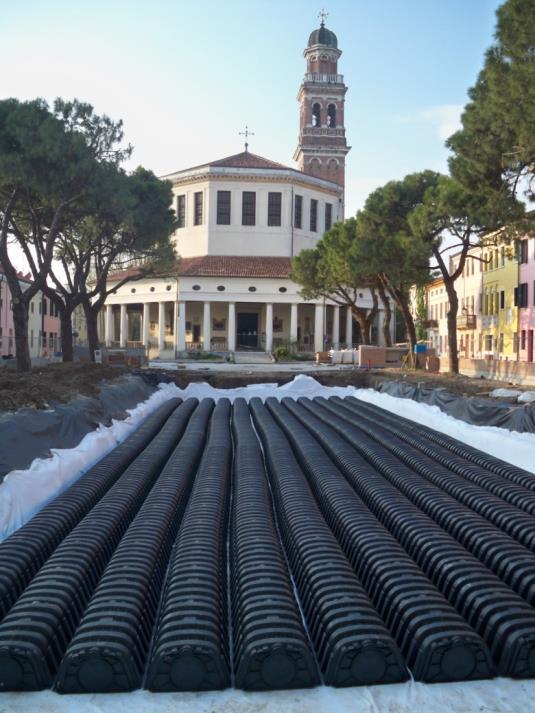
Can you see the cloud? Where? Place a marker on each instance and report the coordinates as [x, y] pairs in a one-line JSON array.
[[445, 117]]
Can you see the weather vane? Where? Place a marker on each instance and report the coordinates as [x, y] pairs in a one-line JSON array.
[[246, 133], [323, 15]]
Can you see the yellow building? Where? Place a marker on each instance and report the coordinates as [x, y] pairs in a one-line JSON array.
[[499, 321]]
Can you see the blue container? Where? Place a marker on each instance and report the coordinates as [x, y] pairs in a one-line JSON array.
[[420, 348]]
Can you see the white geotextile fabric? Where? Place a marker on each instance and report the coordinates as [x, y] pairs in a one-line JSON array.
[[500, 695], [25, 492]]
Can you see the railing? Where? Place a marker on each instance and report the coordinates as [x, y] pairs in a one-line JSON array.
[[323, 131], [194, 346], [324, 78], [431, 324], [466, 321]]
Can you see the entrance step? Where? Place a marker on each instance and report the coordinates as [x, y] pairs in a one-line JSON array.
[[252, 358]]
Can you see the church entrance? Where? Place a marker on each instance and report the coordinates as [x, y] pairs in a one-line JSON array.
[[247, 337]]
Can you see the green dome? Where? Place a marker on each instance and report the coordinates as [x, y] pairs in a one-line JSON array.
[[323, 36]]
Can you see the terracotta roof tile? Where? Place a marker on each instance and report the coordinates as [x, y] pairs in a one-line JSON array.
[[235, 266], [224, 266], [245, 159]]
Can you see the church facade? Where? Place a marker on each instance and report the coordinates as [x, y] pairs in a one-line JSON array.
[[241, 219]]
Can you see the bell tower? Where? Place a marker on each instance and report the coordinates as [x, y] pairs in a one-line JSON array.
[[322, 144]]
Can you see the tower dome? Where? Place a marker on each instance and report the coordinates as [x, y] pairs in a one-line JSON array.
[[323, 36]]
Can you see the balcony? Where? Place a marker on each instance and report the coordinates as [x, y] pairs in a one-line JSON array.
[[324, 78], [466, 321], [431, 324]]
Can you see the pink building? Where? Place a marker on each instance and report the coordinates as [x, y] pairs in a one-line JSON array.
[[43, 322], [526, 299]]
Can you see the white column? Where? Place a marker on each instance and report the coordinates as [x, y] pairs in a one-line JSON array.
[[161, 326], [336, 326], [349, 327], [206, 327], [124, 327], [293, 323], [146, 324], [318, 328], [108, 325], [175, 325], [269, 327], [181, 337], [231, 331]]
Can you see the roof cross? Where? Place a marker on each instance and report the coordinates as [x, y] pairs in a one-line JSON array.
[[323, 15], [246, 133]]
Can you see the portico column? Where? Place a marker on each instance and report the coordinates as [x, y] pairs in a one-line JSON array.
[[206, 327], [175, 325], [161, 326], [269, 327], [124, 327], [232, 326], [349, 327], [293, 323], [109, 325], [146, 323], [181, 340], [318, 328], [336, 326]]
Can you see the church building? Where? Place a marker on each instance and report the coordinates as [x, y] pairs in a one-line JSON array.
[[240, 221]]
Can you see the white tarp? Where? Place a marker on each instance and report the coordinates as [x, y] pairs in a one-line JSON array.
[[25, 492]]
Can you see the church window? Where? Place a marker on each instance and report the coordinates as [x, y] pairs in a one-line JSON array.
[[331, 116], [197, 218], [223, 207], [274, 209], [328, 216], [283, 289], [316, 114], [221, 288], [252, 288], [313, 215], [248, 208], [298, 215], [196, 288], [181, 210]]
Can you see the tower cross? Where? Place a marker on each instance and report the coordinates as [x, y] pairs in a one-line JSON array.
[[246, 133], [323, 15]]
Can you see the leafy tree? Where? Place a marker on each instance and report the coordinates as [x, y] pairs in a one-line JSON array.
[[327, 271], [451, 219], [46, 172], [495, 149], [386, 246], [421, 312]]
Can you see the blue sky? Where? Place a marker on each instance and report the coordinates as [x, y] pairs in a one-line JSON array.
[[186, 77]]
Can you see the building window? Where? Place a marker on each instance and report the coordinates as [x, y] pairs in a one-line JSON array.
[[523, 339], [248, 208], [523, 251], [252, 289], [328, 216], [31, 338], [502, 299], [282, 289], [44, 306], [331, 116], [316, 114], [298, 217], [313, 215], [223, 207], [181, 211], [221, 288], [196, 288], [31, 306], [197, 218], [515, 342], [274, 209], [488, 342], [521, 295]]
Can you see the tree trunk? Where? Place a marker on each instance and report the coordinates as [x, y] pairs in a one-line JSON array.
[[66, 336], [411, 329], [387, 317], [360, 316], [452, 326], [91, 312], [20, 322]]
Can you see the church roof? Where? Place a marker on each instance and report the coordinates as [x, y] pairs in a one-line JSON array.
[[235, 266], [245, 159], [222, 266]]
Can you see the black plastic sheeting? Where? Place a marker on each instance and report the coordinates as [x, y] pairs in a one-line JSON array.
[[471, 409], [29, 434]]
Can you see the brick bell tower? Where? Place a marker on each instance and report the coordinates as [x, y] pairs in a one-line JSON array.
[[322, 144]]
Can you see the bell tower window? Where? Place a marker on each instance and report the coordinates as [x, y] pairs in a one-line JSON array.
[[331, 116], [316, 114]]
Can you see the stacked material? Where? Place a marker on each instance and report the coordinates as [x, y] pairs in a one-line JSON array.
[[271, 546]]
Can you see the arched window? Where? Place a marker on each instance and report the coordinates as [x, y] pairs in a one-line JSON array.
[[331, 116], [316, 114]]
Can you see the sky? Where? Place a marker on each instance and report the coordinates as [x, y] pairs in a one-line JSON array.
[[186, 77]]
